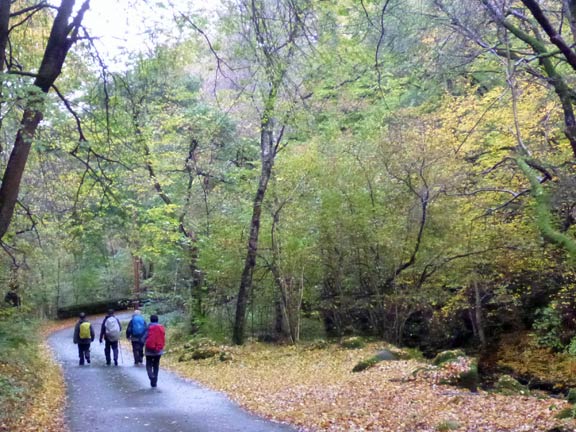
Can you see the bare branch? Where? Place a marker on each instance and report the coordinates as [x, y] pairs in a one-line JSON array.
[[554, 36], [71, 110]]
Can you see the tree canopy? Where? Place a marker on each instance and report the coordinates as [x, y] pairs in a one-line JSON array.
[[292, 169]]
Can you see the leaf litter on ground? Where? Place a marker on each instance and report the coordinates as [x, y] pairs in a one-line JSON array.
[[316, 390]]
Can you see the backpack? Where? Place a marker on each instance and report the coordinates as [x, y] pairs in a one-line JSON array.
[[112, 329], [85, 331], [138, 326], [156, 338]]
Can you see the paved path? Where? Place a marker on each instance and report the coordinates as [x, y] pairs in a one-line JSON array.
[[120, 399]]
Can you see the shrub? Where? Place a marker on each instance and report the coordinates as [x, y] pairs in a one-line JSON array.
[[547, 328]]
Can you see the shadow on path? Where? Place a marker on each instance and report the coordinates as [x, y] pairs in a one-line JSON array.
[[109, 398]]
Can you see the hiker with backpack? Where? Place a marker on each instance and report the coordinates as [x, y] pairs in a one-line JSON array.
[[135, 332], [110, 332], [154, 338], [83, 337]]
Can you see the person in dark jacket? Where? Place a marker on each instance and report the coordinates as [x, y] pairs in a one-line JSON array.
[[154, 348], [83, 337], [136, 331], [110, 332]]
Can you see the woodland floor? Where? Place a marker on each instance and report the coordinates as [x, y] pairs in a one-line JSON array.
[[315, 390]]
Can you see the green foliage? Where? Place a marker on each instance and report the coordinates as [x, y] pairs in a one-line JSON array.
[[16, 331], [391, 199], [18, 357], [547, 327]]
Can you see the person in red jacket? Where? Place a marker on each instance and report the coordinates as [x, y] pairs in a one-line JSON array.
[[154, 348]]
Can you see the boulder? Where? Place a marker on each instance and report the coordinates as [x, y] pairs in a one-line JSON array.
[[509, 386], [447, 357], [383, 355]]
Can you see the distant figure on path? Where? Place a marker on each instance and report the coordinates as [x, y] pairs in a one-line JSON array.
[[110, 332], [155, 339], [83, 337], [135, 332]]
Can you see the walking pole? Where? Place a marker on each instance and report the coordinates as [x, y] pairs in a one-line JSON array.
[[120, 349]]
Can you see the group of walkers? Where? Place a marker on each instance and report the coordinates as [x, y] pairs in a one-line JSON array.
[[147, 340]]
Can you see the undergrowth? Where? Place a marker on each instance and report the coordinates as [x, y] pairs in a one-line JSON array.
[[523, 355], [25, 370]]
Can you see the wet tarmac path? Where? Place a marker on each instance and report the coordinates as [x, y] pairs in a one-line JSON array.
[[120, 399]]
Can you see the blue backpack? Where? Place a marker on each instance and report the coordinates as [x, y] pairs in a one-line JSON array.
[[138, 326]]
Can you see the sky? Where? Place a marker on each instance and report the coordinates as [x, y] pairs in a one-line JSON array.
[[117, 25], [121, 24]]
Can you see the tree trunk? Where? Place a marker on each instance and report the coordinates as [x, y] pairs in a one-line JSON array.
[[570, 7], [4, 27], [478, 314], [267, 154], [62, 36], [136, 266]]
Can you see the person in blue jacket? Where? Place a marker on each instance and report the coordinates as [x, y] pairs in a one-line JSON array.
[[135, 333]]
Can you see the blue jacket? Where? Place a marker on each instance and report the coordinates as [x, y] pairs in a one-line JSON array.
[[132, 337]]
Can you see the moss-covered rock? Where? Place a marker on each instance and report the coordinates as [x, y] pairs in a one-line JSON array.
[[571, 396], [470, 378], [226, 356], [447, 357], [509, 386], [203, 348], [319, 344], [448, 425], [382, 355], [459, 370], [365, 364], [354, 342], [566, 413], [387, 355]]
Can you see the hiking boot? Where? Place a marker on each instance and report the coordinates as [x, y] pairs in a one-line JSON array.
[[88, 360], [115, 363]]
